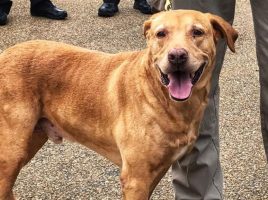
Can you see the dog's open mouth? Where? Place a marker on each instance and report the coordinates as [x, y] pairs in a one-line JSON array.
[[180, 83]]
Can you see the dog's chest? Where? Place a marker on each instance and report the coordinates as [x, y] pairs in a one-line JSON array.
[[184, 142], [180, 152]]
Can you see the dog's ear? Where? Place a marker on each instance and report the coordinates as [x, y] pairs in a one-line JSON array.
[[146, 27], [223, 29]]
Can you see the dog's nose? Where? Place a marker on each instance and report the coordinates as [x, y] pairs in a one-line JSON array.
[[177, 56]]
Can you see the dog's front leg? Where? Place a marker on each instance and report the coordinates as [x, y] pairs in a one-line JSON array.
[[139, 178], [135, 185]]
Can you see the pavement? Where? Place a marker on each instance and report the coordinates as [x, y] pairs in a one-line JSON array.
[[70, 171]]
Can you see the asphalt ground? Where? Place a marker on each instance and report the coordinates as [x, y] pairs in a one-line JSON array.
[[70, 171]]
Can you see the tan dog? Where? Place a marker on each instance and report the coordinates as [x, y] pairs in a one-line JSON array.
[[141, 110]]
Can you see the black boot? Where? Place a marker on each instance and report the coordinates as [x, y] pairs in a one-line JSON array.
[[4, 11], [109, 8], [143, 6], [45, 8]]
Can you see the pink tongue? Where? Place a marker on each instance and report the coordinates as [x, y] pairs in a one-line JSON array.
[[180, 85]]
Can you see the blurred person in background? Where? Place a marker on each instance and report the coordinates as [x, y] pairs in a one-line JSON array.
[[110, 7], [40, 8]]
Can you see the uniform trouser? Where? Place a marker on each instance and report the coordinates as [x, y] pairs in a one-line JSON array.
[[198, 175], [111, 1], [114, 1], [260, 13]]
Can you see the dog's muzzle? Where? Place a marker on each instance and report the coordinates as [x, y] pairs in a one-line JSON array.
[[180, 83]]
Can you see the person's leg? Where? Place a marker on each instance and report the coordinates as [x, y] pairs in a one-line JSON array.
[[142, 6], [109, 8], [5, 2], [45, 8], [198, 176], [157, 5], [5, 6], [35, 2], [260, 13]]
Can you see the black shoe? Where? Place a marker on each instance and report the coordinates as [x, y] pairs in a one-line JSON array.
[[109, 8], [4, 11], [48, 10], [143, 6], [3, 18]]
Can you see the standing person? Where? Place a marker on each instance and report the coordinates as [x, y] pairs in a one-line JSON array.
[[198, 175], [110, 7], [40, 8]]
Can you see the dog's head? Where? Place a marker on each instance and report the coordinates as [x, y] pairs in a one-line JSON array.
[[182, 45]]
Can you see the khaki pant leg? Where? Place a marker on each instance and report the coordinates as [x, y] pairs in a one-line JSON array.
[[198, 176], [260, 17], [157, 4]]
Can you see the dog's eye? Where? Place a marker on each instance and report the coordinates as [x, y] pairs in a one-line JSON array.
[[198, 32], [161, 34]]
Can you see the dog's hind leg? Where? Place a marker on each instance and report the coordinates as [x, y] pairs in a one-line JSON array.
[[38, 139], [18, 143]]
